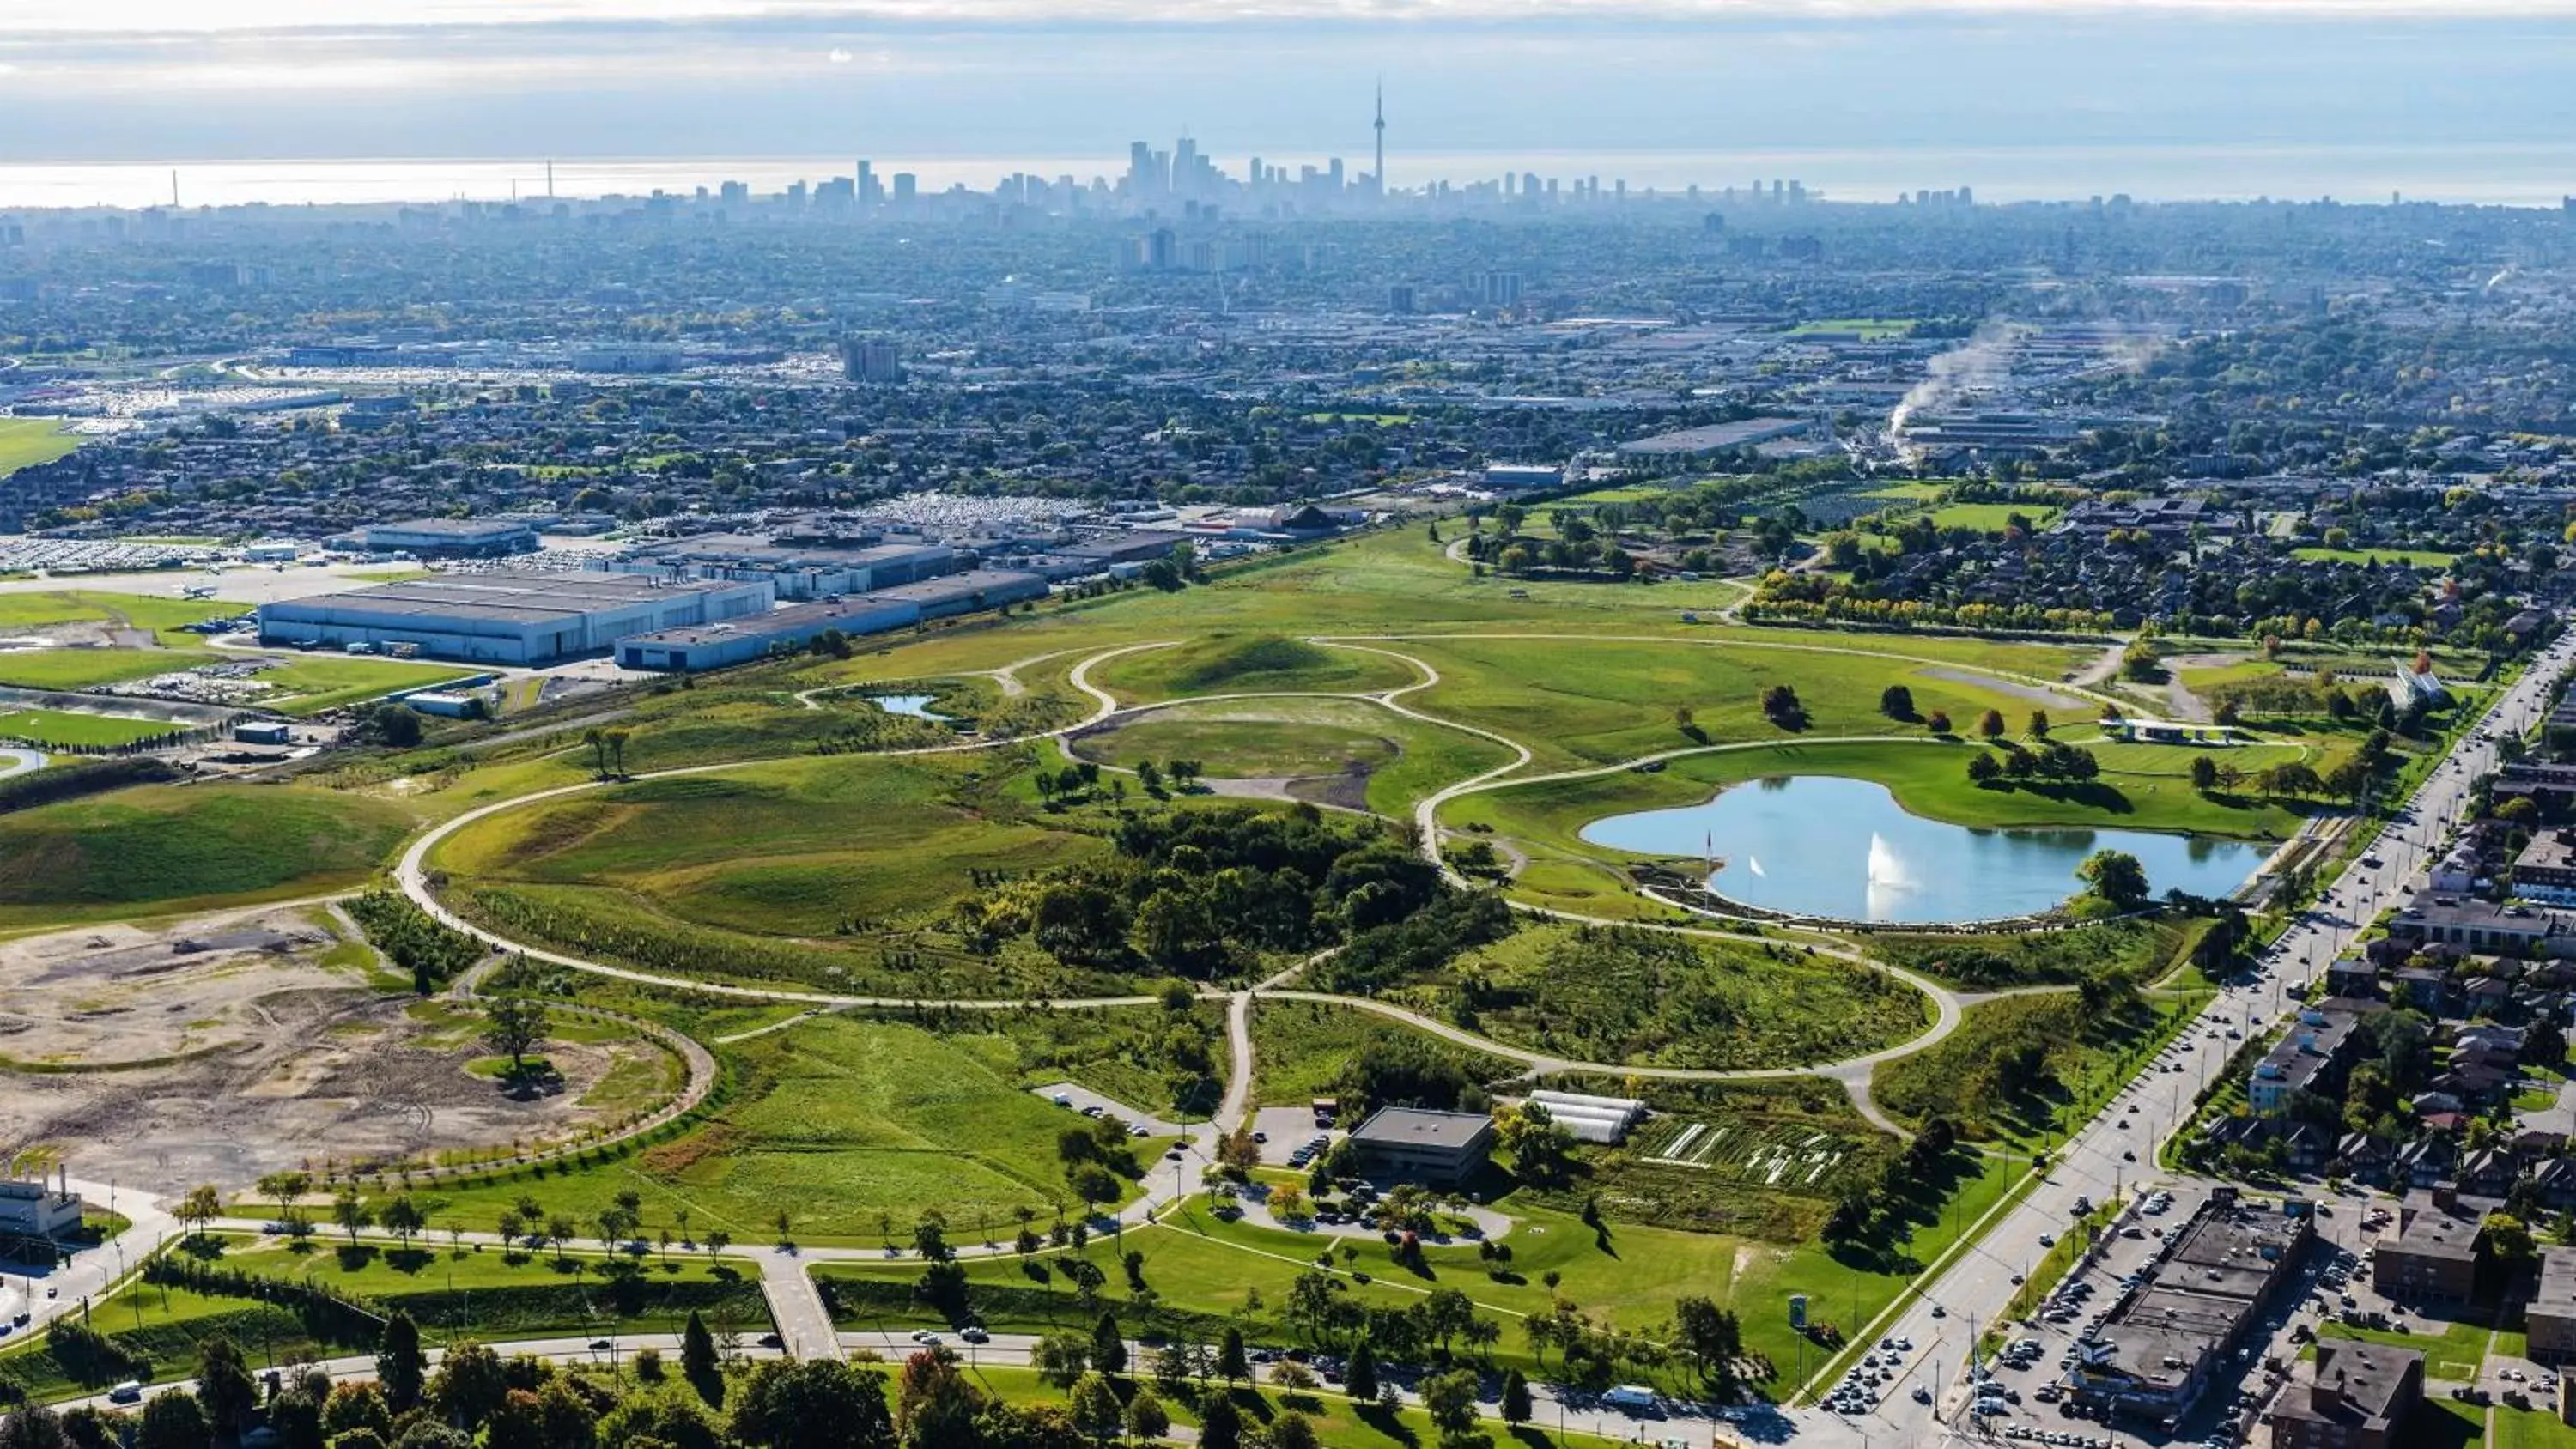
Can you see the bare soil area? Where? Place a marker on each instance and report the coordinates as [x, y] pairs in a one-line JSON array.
[[224, 1048]]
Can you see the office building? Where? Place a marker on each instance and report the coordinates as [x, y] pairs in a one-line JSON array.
[[871, 359], [508, 618], [1413, 1144]]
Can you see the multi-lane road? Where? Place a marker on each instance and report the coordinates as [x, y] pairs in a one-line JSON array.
[[2116, 1151]]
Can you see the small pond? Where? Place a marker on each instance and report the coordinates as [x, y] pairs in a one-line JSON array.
[[916, 705], [1823, 845]]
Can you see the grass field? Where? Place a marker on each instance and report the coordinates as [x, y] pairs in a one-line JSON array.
[[2454, 1353], [161, 848], [1584, 701], [1401, 759], [519, 1293], [1248, 664], [25, 442], [836, 1121], [1974, 1077], [1299, 1049], [78, 669], [1651, 999], [312, 685], [1991, 517], [2140, 947], [2411, 557], [1867, 329], [1337, 1421], [66, 727]]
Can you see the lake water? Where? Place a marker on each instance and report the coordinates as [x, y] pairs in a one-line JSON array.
[[1822, 845], [916, 705]]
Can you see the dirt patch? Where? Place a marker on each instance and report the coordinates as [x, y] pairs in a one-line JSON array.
[[1345, 791], [225, 1049]]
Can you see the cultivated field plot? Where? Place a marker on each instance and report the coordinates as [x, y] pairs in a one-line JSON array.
[[226, 1048], [1767, 1155]]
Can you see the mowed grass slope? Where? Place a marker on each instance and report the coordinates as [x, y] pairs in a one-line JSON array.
[[312, 685], [1228, 663], [1403, 759], [166, 847], [835, 1121], [78, 669], [71, 728], [1587, 701], [25, 442], [783, 848]]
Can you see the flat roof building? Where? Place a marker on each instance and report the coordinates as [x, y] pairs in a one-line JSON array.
[[32, 1208], [2358, 1396], [2166, 1340], [2551, 1315], [1420, 1145], [508, 618], [2434, 1254], [796, 572], [452, 537], [739, 640]]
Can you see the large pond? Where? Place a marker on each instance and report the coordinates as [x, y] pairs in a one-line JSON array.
[[1822, 845]]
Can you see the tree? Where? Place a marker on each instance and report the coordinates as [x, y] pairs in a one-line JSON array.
[[469, 1387], [1220, 1424], [698, 1362], [1991, 724], [224, 1386], [1516, 1397], [32, 1427], [1096, 1409], [1359, 1377], [1147, 1419], [357, 1408], [1983, 768], [812, 1404], [1896, 702], [173, 1420], [2116, 877], [401, 1368], [1231, 1363], [512, 1025], [1108, 1345], [1938, 721], [1060, 1358], [2039, 724], [201, 1206], [403, 1218], [2204, 773], [1450, 1399], [1710, 1338], [1293, 1430], [1780, 706]]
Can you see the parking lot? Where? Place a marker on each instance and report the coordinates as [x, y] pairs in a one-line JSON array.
[[1089, 1103], [1283, 1130]]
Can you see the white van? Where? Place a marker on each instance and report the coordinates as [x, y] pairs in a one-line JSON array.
[[128, 1392], [1635, 1398]]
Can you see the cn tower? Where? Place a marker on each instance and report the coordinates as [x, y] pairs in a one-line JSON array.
[[1378, 177]]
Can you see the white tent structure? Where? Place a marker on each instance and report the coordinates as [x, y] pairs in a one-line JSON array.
[[1605, 1120]]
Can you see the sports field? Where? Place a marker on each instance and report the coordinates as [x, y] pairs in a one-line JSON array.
[[64, 727], [28, 441]]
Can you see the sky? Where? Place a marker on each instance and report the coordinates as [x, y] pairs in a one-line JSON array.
[[2438, 82]]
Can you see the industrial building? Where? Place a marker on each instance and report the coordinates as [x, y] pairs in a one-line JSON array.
[[451, 537], [795, 572], [1416, 1145], [1603, 1120], [508, 618], [32, 1208], [716, 644]]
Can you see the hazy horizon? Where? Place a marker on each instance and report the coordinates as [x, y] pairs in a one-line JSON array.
[[2282, 100]]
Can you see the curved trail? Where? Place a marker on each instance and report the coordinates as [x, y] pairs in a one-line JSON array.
[[1005, 675], [412, 876]]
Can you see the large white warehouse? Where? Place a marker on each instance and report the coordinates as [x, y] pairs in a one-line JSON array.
[[510, 618]]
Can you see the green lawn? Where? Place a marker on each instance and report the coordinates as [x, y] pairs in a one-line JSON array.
[[1337, 1421], [1299, 1049], [319, 682], [836, 1121], [1991, 517], [164, 848], [25, 442], [1868, 329], [78, 669], [2455, 1352], [66, 727], [1973, 1076], [2533, 1428], [1224, 663], [2412, 557]]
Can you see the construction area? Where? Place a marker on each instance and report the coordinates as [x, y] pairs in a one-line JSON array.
[[228, 1047]]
